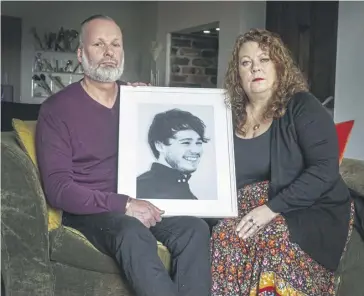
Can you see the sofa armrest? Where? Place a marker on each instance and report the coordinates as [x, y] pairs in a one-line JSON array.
[[352, 171], [25, 260]]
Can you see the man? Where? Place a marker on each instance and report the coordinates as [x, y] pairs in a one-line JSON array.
[[175, 138], [77, 149]]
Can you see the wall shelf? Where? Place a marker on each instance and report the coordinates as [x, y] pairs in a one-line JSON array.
[[52, 71]]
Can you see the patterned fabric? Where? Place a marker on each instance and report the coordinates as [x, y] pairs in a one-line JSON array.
[[267, 264]]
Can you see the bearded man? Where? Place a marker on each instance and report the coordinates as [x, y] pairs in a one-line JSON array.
[[77, 149]]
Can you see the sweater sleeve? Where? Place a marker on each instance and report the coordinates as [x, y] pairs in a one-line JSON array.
[[54, 156], [317, 139]]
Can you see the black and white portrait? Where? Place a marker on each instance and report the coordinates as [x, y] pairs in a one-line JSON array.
[[176, 150], [177, 153]]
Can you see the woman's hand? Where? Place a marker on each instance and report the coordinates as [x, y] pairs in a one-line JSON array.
[[254, 221]]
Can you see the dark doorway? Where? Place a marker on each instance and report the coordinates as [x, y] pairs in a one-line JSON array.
[[309, 29], [10, 58]]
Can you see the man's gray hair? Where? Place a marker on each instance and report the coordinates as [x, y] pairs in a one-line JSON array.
[[89, 19]]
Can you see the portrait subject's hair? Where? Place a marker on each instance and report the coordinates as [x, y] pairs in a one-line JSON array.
[[166, 124], [289, 78], [89, 19]]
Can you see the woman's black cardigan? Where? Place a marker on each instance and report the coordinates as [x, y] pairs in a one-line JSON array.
[[306, 186]]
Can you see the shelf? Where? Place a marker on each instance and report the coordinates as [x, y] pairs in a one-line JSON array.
[[60, 54], [38, 100], [47, 75], [57, 73], [53, 70], [55, 52]]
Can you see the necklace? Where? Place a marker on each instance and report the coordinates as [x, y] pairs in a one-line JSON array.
[[256, 126]]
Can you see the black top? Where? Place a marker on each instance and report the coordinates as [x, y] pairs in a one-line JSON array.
[[252, 159], [305, 185], [162, 182]]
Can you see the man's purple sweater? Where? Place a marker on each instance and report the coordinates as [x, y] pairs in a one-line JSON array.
[[77, 149]]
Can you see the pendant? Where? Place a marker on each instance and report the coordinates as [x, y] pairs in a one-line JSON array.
[[255, 127]]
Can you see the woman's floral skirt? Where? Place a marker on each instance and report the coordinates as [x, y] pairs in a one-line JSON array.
[[267, 263]]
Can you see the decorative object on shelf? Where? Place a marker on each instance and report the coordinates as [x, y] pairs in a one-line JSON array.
[[55, 62], [63, 40], [57, 80], [38, 63], [53, 71], [40, 80], [155, 51], [37, 39], [59, 65], [79, 66], [48, 84]]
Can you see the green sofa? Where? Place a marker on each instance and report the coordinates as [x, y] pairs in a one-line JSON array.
[[42, 262], [39, 262]]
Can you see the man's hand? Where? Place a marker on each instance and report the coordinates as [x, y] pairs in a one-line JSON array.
[[138, 84], [254, 221], [144, 211]]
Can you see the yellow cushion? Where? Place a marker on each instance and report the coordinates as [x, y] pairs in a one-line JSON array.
[[25, 134]]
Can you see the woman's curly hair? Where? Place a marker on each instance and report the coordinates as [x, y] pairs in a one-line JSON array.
[[289, 78]]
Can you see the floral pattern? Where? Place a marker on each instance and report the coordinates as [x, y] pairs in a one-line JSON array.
[[267, 264]]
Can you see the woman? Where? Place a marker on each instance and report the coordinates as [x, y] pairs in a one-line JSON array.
[[294, 209]]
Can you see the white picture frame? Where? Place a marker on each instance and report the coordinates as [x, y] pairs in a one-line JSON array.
[[212, 183]]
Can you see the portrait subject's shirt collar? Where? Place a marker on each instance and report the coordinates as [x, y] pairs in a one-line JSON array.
[[162, 182], [170, 174]]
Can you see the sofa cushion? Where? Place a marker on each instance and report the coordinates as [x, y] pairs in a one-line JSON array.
[[352, 171], [343, 130], [69, 246], [25, 135], [25, 131]]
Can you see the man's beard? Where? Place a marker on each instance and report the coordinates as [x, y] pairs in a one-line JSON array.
[[102, 74]]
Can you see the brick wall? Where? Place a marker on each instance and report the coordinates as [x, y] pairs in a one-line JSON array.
[[193, 61]]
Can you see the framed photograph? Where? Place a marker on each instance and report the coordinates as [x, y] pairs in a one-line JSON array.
[[176, 150]]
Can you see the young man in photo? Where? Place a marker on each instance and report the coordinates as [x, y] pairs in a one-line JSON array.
[[176, 139]]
